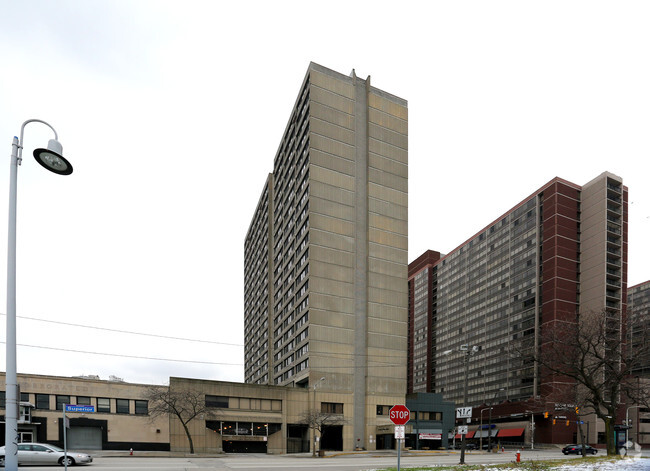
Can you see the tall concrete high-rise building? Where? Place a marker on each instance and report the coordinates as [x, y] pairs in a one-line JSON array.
[[326, 254], [561, 251]]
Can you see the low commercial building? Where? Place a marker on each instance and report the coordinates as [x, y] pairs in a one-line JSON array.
[[120, 420], [432, 421], [272, 419], [237, 417]]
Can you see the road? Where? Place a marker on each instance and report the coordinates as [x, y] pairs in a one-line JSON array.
[[342, 462]]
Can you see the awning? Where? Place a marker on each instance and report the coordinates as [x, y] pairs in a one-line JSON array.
[[469, 435], [511, 432], [485, 433]]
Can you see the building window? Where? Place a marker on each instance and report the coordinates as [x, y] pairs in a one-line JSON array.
[[383, 410], [24, 397], [141, 407], [83, 400], [3, 398], [43, 401], [103, 404], [62, 401], [430, 416], [122, 406], [331, 408], [216, 401]]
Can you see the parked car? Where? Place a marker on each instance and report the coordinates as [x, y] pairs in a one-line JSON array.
[[577, 450], [44, 454]]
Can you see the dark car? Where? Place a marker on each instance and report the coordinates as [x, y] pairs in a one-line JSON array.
[[577, 450]]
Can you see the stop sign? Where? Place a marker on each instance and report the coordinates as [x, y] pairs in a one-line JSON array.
[[399, 414]]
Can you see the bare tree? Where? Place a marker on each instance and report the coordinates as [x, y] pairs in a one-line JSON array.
[[318, 421], [184, 404], [591, 355]]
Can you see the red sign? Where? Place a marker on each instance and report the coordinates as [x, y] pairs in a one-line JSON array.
[[399, 414]]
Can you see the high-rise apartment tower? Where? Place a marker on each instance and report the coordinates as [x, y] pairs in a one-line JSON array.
[[326, 254], [561, 251]]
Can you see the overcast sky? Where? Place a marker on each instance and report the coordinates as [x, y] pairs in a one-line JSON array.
[[171, 113]]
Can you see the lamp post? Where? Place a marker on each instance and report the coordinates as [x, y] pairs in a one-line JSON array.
[[627, 422], [481, 428], [51, 159], [490, 431], [468, 351], [490, 421], [314, 413], [532, 429]]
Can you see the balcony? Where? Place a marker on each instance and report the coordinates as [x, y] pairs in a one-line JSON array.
[[614, 197], [614, 187]]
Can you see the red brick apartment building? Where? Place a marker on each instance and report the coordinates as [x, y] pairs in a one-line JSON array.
[[560, 251]]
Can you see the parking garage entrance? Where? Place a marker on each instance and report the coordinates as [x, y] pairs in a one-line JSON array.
[[250, 445]]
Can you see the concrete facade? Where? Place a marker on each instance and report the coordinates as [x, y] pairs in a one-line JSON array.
[[120, 422], [333, 311]]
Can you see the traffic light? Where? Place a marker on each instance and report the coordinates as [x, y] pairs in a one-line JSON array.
[[577, 410], [567, 423], [553, 421], [546, 415]]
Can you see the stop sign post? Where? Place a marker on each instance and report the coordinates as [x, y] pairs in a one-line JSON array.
[[399, 414]]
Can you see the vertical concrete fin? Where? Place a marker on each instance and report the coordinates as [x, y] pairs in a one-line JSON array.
[[362, 89]]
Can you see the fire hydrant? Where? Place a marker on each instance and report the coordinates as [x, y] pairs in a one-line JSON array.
[[518, 455], [131, 452]]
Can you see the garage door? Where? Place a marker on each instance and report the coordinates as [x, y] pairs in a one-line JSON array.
[[84, 438]]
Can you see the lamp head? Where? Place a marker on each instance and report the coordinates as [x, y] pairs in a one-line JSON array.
[[52, 159]]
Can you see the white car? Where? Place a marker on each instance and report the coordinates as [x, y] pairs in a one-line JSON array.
[[43, 454]]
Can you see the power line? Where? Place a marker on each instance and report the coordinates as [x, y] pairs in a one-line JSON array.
[[144, 334], [375, 363], [128, 356], [184, 339], [68, 350]]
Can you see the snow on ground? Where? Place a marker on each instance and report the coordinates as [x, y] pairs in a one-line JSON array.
[[633, 464]]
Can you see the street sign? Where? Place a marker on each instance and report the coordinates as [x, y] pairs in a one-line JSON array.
[[399, 414], [76, 408], [400, 432], [463, 412], [462, 429]]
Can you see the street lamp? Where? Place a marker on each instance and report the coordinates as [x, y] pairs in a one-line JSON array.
[[490, 423], [481, 428], [468, 351], [51, 159], [532, 429], [627, 422], [313, 453]]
